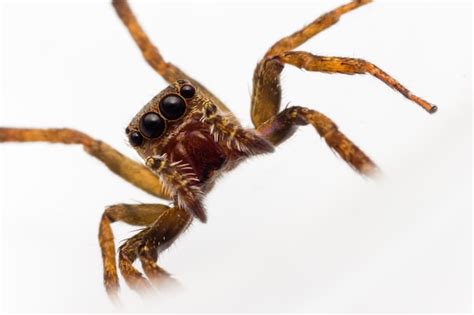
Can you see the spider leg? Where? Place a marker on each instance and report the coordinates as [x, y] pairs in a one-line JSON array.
[[307, 61], [142, 215], [282, 126], [320, 24], [129, 170], [167, 70], [147, 245], [266, 95]]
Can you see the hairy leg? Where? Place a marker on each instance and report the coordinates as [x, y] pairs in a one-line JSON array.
[[131, 171], [282, 126], [320, 24], [147, 245], [266, 94], [307, 61], [167, 70], [142, 215]]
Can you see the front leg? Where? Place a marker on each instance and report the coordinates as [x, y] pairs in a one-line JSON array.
[[310, 62], [266, 93], [131, 171]]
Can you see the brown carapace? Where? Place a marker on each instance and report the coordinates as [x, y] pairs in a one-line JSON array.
[[188, 138]]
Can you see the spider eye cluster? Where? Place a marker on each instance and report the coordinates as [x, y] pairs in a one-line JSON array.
[[171, 107]]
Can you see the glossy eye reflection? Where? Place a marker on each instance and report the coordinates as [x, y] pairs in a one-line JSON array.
[[187, 91], [152, 125], [135, 139], [172, 106]]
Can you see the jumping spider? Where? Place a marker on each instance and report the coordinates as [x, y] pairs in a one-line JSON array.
[[188, 138]]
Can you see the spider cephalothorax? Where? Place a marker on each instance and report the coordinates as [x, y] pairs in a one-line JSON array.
[[188, 142], [188, 138]]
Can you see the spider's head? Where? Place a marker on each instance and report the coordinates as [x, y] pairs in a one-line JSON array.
[[152, 127]]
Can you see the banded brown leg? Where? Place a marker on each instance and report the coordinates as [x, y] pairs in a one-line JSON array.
[[168, 71], [320, 24], [310, 62], [147, 245], [282, 126], [131, 171], [141, 215], [266, 95]]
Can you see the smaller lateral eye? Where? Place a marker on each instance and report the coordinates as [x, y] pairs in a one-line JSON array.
[[135, 138], [187, 91]]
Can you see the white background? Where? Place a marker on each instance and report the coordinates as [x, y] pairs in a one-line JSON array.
[[294, 231]]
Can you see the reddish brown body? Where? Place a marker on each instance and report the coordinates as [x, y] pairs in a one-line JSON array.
[[188, 138], [191, 151]]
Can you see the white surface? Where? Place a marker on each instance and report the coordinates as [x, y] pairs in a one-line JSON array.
[[294, 231]]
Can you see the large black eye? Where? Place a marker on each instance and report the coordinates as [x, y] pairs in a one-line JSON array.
[[187, 91], [152, 125], [172, 107], [135, 139]]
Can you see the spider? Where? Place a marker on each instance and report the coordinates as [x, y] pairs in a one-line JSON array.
[[188, 138]]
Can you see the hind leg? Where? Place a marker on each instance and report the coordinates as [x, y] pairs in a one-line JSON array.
[[168, 71]]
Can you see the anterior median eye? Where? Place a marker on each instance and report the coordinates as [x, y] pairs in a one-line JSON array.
[[152, 125], [172, 106], [135, 139]]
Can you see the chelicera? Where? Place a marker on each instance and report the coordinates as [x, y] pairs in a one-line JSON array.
[[188, 138]]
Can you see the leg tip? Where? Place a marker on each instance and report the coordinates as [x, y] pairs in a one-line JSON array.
[[433, 109], [370, 170]]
